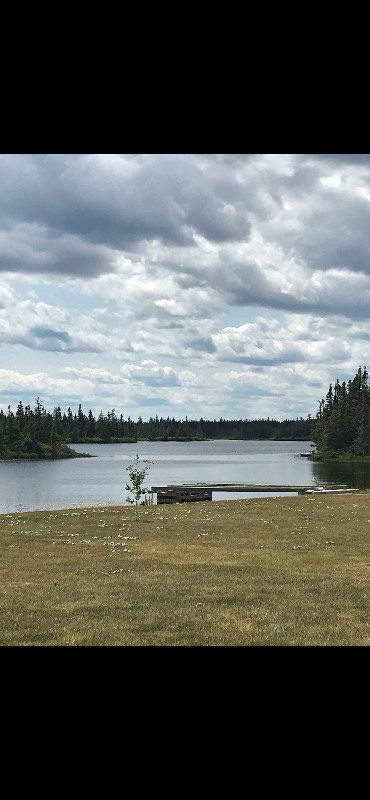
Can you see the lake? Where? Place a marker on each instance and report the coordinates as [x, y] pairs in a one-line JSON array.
[[30, 486]]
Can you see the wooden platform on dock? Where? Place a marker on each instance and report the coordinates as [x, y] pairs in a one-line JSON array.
[[180, 494], [192, 492]]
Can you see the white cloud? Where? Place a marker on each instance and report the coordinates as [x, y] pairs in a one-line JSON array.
[[41, 383], [117, 270]]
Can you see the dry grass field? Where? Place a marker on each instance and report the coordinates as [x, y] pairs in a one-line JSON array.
[[291, 571]]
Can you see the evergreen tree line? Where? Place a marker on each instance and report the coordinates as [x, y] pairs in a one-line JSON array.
[[342, 424], [34, 433]]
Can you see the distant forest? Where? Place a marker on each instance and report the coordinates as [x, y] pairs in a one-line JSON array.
[[35, 433], [341, 428], [342, 425]]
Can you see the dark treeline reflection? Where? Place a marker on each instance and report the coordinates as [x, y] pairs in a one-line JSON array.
[[354, 473]]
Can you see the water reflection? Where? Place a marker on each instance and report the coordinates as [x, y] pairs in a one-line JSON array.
[[27, 486], [355, 473]]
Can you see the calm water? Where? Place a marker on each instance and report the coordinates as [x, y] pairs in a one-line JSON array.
[[28, 486]]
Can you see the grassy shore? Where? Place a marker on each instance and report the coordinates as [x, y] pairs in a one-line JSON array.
[[291, 571]]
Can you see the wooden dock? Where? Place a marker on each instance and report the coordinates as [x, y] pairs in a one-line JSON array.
[[181, 494], [196, 492]]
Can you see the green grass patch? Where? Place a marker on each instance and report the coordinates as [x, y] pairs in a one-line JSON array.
[[261, 572]]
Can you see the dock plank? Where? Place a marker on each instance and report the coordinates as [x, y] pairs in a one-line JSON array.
[[242, 487]]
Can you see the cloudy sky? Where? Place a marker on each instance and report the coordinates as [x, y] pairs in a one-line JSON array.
[[198, 284]]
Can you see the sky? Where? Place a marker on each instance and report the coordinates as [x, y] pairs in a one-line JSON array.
[[232, 285]]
